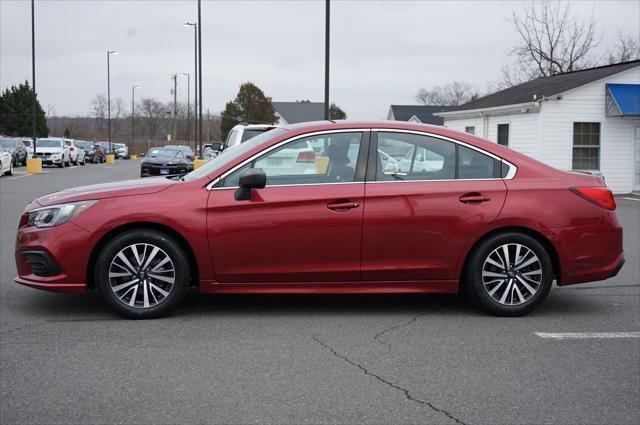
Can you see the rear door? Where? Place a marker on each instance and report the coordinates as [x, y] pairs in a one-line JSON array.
[[426, 197], [305, 225]]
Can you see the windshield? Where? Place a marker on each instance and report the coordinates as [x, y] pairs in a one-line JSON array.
[[27, 143], [229, 155], [48, 143], [84, 145], [162, 152], [8, 143]]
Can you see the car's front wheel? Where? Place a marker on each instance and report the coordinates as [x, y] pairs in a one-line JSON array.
[[142, 274], [509, 274]]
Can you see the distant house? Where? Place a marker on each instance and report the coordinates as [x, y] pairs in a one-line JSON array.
[[299, 111], [416, 113], [585, 120]]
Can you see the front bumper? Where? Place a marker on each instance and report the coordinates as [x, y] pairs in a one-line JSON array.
[[53, 259]]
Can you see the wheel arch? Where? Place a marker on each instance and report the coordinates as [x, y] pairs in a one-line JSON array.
[[544, 241], [184, 244]]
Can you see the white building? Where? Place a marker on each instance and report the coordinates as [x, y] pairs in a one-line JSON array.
[[585, 120], [299, 111]]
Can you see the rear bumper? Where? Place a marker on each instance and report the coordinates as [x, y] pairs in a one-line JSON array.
[[590, 253]]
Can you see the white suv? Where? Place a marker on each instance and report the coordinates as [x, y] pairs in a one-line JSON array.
[[76, 153], [243, 132]]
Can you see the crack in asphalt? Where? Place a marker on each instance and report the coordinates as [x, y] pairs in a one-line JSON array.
[[406, 392], [393, 328]]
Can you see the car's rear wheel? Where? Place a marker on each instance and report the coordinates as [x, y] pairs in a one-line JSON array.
[[10, 171], [509, 274], [142, 274]]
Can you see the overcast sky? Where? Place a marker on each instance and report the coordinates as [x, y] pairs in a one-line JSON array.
[[382, 52]]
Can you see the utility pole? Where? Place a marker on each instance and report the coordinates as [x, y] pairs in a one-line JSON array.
[[186, 74], [327, 18], [174, 129], [200, 77], [195, 79], [109, 53], [133, 114]]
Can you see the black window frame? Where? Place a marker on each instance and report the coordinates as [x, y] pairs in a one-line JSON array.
[[586, 146], [500, 168]]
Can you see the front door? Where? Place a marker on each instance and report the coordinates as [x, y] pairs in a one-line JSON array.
[[304, 226], [424, 202]]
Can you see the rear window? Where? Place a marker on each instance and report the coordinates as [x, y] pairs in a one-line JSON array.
[[248, 134], [48, 143]]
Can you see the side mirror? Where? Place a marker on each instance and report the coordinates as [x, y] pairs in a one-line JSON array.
[[216, 146], [252, 178]]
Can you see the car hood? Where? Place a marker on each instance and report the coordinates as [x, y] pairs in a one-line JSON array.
[[107, 190]]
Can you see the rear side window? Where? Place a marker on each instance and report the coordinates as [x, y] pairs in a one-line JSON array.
[[248, 134], [413, 157], [474, 165]]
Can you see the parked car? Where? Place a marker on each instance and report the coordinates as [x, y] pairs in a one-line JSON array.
[[6, 162], [243, 132], [92, 152], [188, 152], [75, 152], [28, 144], [17, 149], [481, 224], [53, 151], [165, 162], [105, 147], [121, 150]]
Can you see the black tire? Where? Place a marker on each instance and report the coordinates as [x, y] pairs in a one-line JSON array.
[[478, 292], [168, 247], [61, 165], [24, 162], [10, 172]]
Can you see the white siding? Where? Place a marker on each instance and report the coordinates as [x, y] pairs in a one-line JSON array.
[[548, 134]]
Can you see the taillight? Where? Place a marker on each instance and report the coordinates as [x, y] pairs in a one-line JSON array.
[[307, 157], [71, 149], [601, 196]]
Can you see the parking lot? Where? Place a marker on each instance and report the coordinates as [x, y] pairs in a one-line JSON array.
[[313, 359]]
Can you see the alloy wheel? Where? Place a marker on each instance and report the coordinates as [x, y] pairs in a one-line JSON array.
[[512, 274], [141, 275]]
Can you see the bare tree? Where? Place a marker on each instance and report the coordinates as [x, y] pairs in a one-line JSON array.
[[455, 93], [552, 41], [627, 49], [117, 112], [153, 113], [99, 110]]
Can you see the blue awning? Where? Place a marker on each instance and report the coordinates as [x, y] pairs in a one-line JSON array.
[[623, 100]]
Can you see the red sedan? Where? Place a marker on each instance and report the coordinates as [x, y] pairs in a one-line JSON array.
[[350, 207]]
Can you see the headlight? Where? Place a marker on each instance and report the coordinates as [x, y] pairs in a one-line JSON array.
[[56, 215]]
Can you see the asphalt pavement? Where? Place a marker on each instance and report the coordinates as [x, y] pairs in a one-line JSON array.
[[313, 359]]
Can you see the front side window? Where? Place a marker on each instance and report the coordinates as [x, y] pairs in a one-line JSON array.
[[503, 134], [404, 156], [326, 158], [586, 146]]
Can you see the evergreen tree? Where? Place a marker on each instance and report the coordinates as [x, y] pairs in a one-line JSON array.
[[250, 106], [336, 113], [16, 112], [67, 133]]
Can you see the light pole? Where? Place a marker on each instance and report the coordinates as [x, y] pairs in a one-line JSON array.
[[133, 114], [174, 131], [327, 23], [33, 76], [200, 77], [186, 74], [195, 68], [109, 53]]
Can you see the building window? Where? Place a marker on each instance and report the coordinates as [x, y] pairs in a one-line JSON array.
[[470, 129], [586, 146], [503, 134]]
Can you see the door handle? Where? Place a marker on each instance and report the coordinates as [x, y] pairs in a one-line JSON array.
[[473, 198], [343, 206]]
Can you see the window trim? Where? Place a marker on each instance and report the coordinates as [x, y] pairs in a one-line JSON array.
[[598, 146], [368, 138]]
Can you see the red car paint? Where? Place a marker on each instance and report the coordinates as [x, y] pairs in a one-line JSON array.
[[406, 237]]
